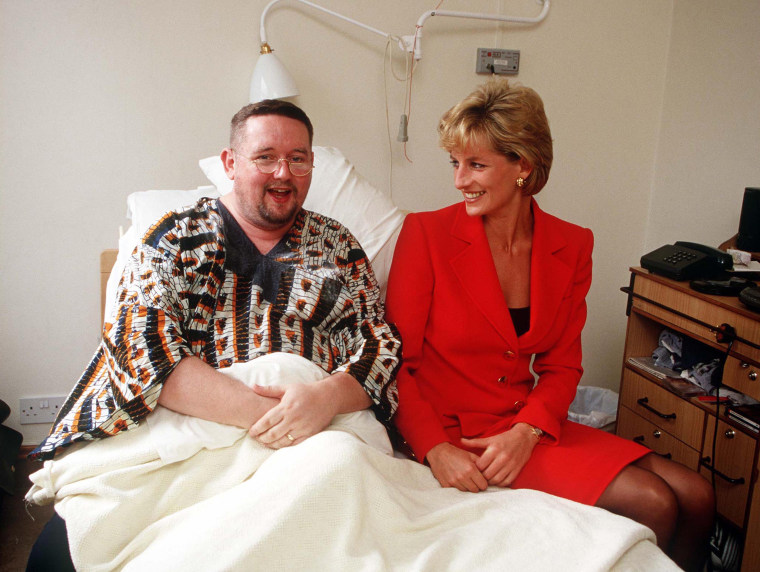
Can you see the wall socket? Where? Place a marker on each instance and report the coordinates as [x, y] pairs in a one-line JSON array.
[[498, 61], [39, 409]]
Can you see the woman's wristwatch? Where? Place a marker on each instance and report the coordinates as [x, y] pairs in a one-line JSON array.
[[537, 432]]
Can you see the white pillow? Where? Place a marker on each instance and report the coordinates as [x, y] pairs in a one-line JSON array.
[[144, 208], [213, 168], [340, 192]]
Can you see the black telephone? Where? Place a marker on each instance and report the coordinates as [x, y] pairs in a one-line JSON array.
[[687, 260]]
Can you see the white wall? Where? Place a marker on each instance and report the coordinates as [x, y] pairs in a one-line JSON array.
[[709, 148], [99, 98]]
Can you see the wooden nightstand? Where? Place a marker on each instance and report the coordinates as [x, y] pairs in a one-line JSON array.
[[684, 428]]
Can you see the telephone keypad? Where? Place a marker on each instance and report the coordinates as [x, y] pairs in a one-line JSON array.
[[676, 262], [680, 256]]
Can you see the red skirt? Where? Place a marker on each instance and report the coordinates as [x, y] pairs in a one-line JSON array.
[[581, 466]]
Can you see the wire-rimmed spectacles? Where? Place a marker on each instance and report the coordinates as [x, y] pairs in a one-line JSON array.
[[298, 166]]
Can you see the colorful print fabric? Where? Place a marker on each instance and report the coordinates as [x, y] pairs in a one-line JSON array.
[[196, 286]]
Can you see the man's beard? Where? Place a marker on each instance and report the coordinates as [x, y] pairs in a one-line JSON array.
[[270, 214], [277, 218]]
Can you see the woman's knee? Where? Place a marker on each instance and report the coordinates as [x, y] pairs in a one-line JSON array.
[[642, 495], [694, 493], [655, 497]]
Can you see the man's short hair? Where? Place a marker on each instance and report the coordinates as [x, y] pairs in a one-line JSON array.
[[267, 107]]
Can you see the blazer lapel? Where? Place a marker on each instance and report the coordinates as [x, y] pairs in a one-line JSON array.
[[549, 276], [474, 268]]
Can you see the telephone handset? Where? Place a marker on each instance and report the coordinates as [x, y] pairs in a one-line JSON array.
[[687, 260]]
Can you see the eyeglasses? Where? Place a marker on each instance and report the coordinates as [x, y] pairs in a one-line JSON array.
[[298, 166]]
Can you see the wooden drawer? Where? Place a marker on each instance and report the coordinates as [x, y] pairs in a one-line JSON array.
[[636, 428], [735, 453], [742, 376], [711, 310], [662, 408]]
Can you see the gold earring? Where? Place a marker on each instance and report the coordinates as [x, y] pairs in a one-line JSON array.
[[520, 182]]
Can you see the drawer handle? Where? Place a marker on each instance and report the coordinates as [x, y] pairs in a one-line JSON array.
[[644, 402], [730, 433], [640, 440], [705, 462]]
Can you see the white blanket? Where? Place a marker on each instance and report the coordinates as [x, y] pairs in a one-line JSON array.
[[337, 501]]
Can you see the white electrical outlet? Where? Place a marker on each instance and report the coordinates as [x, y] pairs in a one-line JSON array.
[[39, 409]]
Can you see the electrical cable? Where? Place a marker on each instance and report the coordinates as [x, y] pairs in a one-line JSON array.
[[727, 550], [389, 58], [725, 333], [408, 103], [403, 78], [388, 63]]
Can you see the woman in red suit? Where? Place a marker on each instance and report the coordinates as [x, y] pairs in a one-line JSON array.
[[484, 291]]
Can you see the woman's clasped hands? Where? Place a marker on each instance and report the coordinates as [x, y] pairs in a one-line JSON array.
[[502, 458]]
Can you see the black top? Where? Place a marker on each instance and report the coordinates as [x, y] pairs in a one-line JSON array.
[[520, 319]]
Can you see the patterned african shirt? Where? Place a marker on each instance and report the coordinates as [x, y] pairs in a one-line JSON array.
[[196, 285]]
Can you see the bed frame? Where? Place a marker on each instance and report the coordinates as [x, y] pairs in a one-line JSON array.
[[107, 260]]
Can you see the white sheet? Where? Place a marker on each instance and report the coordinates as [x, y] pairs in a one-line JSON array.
[[177, 437], [333, 502]]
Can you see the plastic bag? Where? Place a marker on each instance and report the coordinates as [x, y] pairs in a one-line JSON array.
[[594, 406]]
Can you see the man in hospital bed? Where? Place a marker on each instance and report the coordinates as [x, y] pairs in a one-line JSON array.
[[231, 280]]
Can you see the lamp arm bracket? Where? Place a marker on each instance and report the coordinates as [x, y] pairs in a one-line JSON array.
[[471, 15], [263, 33]]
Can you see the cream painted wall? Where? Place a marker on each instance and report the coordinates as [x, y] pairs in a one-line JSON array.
[[99, 98], [709, 147]]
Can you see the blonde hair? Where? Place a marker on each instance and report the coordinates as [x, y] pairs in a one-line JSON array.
[[510, 119]]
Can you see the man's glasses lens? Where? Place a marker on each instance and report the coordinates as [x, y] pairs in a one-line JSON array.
[[269, 166]]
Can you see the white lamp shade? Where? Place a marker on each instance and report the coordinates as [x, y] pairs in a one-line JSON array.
[[271, 80]]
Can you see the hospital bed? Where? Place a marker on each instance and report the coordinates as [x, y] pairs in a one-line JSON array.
[[341, 500]]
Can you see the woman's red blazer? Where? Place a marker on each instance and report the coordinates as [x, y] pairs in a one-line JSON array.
[[465, 372]]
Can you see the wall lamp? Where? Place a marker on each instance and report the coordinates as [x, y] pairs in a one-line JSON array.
[[272, 81]]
